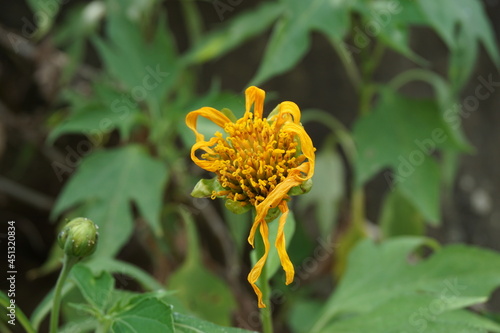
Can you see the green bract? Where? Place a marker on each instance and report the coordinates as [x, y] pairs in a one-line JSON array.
[[205, 187], [303, 188]]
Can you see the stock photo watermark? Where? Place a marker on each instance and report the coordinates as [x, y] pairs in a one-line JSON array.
[[423, 317], [45, 14], [453, 116], [11, 272], [379, 19], [224, 6]]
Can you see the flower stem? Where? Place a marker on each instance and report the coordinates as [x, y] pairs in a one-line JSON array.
[[68, 263], [266, 316], [104, 326], [193, 21], [265, 313]]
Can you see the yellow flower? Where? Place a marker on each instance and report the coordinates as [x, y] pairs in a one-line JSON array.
[[257, 162]]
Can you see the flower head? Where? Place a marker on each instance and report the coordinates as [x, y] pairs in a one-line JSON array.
[[258, 162]]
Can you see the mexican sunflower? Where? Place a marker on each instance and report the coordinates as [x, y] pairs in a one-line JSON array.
[[259, 163]]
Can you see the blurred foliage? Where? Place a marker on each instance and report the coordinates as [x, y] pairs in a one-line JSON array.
[[133, 173]]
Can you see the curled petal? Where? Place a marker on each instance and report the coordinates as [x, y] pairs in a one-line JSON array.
[[211, 114], [255, 96], [306, 146], [278, 194], [251, 235], [288, 110], [254, 274], [274, 198], [205, 146], [281, 244]]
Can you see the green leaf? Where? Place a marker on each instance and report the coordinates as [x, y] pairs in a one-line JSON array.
[[273, 259], [399, 217], [199, 290], [236, 32], [290, 39], [390, 21], [446, 99], [144, 314], [420, 313], [79, 22], [303, 313], [107, 109], [216, 99], [381, 277], [239, 225], [473, 28], [402, 133], [88, 324], [327, 190], [109, 180], [186, 324], [147, 68], [95, 289]]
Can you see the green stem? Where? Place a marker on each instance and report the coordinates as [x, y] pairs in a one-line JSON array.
[[265, 313], [68, 263], [370, 61], [104, 326], [266, 316], [365, 98], [349, 239], [416, 75], [348, 61], [193, 20]]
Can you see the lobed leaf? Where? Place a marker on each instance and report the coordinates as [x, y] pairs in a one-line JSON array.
[[110, 180], [382, 287]]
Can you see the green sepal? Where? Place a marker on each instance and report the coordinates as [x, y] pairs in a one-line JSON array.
[[228, 113], [302, 188], [272, 214], [236, 207], [205, 187], [273, 113]]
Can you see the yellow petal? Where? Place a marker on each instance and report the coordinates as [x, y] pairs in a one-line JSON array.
[[281, 244], [255, 96], [288, 110], [211, 114], [251, 235], [204, 145], [254, 274], [306, 146], [278, 194]]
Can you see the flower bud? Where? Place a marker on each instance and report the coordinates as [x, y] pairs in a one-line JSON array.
[[79, 237]]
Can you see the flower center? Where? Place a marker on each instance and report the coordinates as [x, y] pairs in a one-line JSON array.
[[253, 159]]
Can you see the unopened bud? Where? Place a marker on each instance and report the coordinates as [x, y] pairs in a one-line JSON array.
[[79, 237]]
